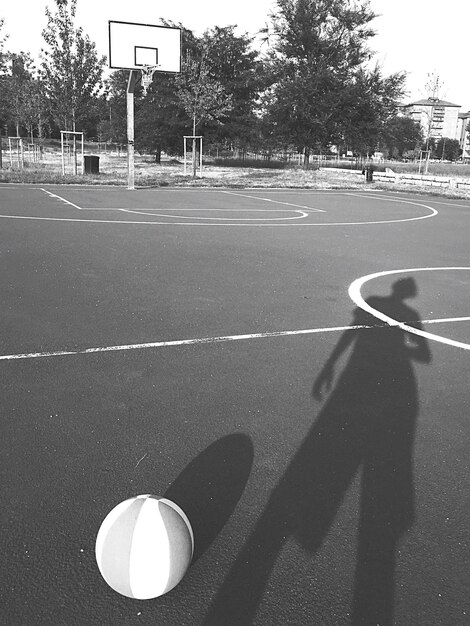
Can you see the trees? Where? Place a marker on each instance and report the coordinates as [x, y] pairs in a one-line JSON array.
[[318, 47], [232, 61], [3, 38], [112, 126], [22, 102], [21, 92], [3, 108], [323, 94], [401, 136], [71, 69], [370, 103], [314, 89], [448, 149], [3, 69], [160, 120], [202, 97]]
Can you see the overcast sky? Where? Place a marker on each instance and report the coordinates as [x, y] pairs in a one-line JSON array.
[[419, 36]]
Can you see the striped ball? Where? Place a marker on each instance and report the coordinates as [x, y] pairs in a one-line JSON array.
[[144, 547]]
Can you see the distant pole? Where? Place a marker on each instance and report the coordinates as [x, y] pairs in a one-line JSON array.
[[83, 154], [133, 77], [74, 144], [62, 150], [430, 126], [194, 146]]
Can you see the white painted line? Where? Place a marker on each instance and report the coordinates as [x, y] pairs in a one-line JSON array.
[[461, 206], [212, 340], [182, 342], [151, 210], [301, 215], [53, 195], [388, 199], [251, 225], [356, 296], [299, 206], [446, 319], [433, 213]]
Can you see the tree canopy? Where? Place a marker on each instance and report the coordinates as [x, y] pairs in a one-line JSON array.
[[323, 93], [312, 87], [401, 137], [71, 69], [448, 149]]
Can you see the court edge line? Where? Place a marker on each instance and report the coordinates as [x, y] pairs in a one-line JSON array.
[[219, 339], [54, 195], [354, 292]]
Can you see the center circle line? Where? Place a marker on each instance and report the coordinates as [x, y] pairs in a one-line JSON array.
[[354, 292]]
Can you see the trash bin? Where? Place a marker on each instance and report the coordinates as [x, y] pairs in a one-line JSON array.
[[369, 173], [92, 164]]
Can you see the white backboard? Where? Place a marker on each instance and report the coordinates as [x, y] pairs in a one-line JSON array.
[[133, 45]]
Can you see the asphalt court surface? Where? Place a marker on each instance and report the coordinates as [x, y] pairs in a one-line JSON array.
[[214, 346], [224, 207]]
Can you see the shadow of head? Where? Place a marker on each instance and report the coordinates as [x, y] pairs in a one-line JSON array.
[[404, 288]]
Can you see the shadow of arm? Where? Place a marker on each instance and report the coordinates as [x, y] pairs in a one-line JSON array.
[[325, 379], [418, 347]]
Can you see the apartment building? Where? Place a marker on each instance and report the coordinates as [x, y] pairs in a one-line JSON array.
[[438, 118]]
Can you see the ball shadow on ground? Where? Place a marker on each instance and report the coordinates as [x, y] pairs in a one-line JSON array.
[[209, 488]]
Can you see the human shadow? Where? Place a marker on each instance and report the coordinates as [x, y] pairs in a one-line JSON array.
[[368, 424]]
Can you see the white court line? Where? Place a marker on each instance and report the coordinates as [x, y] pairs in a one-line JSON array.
[[221, 339], [303, 224], [461, 206], [54, 195], [301, 215], [433, 213], [299, 206], [356, 296]]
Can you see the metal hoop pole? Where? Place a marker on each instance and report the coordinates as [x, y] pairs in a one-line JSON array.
[[130, 129]]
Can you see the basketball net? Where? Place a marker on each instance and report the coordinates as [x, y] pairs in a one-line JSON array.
[[147, 76]]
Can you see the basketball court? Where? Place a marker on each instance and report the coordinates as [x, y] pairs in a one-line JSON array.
[[290, 367]]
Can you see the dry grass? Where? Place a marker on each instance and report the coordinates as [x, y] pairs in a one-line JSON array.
[[453, 170], [113, 171]]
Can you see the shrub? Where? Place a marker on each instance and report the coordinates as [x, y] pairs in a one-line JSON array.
[[260, 164]]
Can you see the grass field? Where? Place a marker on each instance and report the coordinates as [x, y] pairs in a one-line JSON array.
[[113, 171]]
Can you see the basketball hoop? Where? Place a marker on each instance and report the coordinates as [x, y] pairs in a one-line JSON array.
[[147, 76], [143, 49]]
